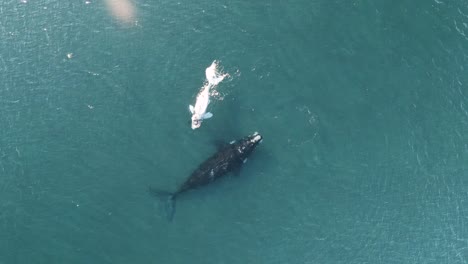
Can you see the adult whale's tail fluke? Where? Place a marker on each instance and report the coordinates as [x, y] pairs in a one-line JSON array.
[[167, 198]]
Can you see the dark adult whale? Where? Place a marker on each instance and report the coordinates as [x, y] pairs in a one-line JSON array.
[[228, 158]]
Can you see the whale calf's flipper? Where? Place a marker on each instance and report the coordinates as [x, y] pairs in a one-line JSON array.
[[168, 199], [192, 109], [207, 115]]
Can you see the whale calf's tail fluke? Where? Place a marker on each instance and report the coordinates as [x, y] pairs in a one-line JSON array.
[[167, 198], [214, 75]]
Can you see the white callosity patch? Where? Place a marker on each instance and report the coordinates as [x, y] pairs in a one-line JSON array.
[[256, 138]]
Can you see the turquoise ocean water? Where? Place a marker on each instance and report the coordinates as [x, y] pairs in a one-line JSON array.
[[363, 106]]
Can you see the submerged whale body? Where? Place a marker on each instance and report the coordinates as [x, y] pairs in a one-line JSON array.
[[228, 158]]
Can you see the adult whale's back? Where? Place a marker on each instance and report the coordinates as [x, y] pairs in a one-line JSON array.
[[228, 158]]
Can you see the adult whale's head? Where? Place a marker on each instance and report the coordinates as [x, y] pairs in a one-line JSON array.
[[246, 145]]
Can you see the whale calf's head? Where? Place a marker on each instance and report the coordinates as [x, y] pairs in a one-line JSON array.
[[196, 122]]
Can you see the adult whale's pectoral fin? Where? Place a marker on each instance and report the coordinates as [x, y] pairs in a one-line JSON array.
[[192, 109], [207, 115]]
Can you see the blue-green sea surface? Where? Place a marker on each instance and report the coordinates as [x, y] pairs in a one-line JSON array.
[[363, 106]]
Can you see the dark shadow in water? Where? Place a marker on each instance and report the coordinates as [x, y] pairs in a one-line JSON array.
[[224, 125]]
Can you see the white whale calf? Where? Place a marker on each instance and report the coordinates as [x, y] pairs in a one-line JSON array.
[[198, 111]]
